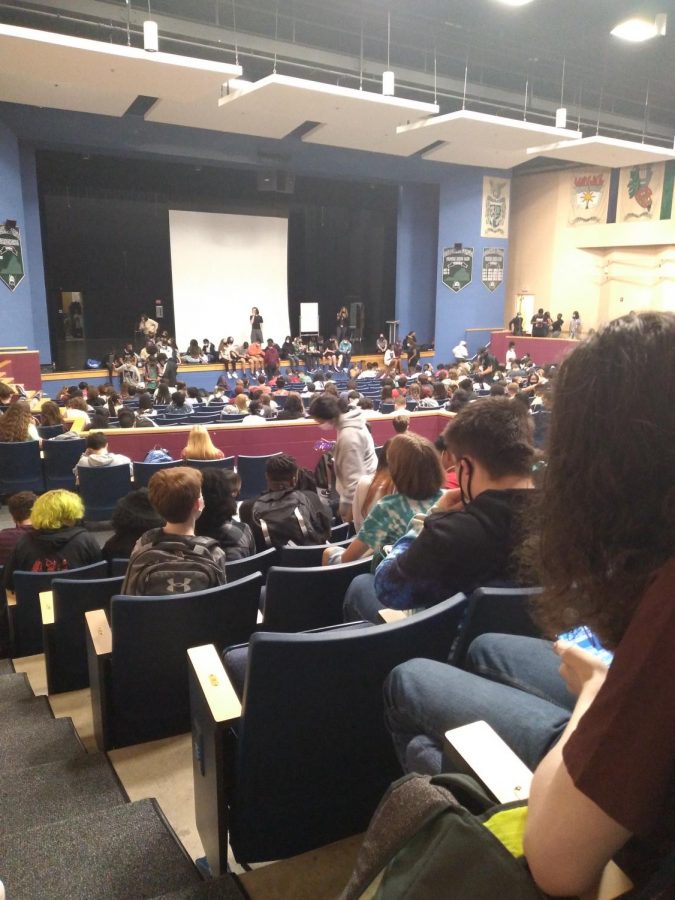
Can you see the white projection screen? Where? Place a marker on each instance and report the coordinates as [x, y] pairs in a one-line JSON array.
[[222, 265]]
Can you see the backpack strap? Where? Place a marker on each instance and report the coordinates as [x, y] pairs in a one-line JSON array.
[[265, 532], [301, 522]]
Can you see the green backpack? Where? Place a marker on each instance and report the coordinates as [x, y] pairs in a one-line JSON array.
[[435, 839]]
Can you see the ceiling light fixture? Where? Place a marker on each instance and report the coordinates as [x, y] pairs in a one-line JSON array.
[[515, 2], [637, 28], [150, 34]]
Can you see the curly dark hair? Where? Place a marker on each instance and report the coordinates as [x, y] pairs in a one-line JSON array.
[[606, 515], [220, 488]]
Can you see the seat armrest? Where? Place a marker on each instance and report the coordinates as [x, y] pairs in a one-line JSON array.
[[47, 607], [214, 707], [99, 632], [99, 659], [392, 615], [218, 692]]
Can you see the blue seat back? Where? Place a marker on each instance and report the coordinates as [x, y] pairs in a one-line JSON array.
[[20, 467], [151, 637], [102, 488], [60, 458], [50, 431], [251, 470], [502, 610], [65, 642], [300, 599], [143, 471], [118, 566], [308, 556], [26, 615], [259, 562], [343, 531], [226, 463], [313, 754]]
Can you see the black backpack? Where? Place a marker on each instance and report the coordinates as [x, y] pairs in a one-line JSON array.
[[173, 566], [284, 516]]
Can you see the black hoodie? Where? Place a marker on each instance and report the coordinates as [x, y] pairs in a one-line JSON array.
[[52, 551]]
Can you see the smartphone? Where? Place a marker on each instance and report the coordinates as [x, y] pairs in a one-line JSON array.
[[583, 637]]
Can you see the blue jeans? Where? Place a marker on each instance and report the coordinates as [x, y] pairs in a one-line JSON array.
[[513, 684], [361, 601]]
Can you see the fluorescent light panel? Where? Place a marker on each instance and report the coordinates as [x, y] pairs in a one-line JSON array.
[[515, 2], [637, 29]]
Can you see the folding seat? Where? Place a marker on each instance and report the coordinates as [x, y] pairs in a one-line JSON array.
[[20, 467], [60, 458], [251, 470], [100, 490], [306, 759], [50, 431], [64, 629], [143, 471], [259, 562], [138, 658], [226, 463], [310, 555]]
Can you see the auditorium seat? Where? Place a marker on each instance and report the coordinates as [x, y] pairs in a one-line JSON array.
[[64, 630], [299, 599], [25, 616], [308, 757], [251, 470], [143, 471], [138, 663], [60, 458], [259, 562], [342, 531], [502, 610], [100, 490], [49, 431], [20, 467], [309, 555], [226, 463]]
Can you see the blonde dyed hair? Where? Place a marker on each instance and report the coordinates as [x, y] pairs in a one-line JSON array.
[[56, 509], [200, 445]]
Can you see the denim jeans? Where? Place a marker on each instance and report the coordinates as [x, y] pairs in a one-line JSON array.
[[361, 601], [513, 684]]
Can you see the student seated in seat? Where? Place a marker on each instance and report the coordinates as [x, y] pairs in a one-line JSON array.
[[172, 559], [97, 455]]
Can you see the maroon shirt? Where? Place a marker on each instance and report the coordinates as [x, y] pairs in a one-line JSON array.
[[622, 753], [8, 539]]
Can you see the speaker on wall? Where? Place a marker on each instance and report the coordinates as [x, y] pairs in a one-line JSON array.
[[276, 181]]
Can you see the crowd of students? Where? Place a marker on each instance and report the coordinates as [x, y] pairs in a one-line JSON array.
[[597, 533]]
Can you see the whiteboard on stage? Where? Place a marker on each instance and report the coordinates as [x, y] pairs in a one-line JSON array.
[[309, 318], [222, 265]]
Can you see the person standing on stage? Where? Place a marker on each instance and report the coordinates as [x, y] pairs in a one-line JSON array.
[[412, 351], [256, 321], [516, 325], [147, 326], [342, 328], [382, 343]]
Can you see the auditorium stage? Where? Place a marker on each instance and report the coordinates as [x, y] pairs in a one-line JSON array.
[[544, 351]]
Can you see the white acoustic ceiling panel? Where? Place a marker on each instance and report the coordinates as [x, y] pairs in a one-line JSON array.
[[54, 70], [604, 151], [478, 139], [277, 105]]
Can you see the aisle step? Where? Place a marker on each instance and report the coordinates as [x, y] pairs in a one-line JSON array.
[[32, 742], [225, 888], [6, 667], [119, 854], [14, 686], [58, 790]]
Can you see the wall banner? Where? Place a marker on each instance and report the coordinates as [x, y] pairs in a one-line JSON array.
[[640, 193], [589, 195], [492, 270], [496, 203], [11, 260], [457, 267]]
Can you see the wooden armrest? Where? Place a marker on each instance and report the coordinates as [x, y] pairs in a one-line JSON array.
[[99, 631], [479, 751], [11, 598], [217, 689], [47, 607], [392, 615]]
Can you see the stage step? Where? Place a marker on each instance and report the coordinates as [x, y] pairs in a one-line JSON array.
[[57, 790], [35, 741], [118, 854], [14, 686]]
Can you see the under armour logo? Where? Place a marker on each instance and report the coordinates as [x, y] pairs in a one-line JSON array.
[[175, 587]]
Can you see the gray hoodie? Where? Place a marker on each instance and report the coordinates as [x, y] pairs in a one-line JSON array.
[[102, 460], [354, 454]]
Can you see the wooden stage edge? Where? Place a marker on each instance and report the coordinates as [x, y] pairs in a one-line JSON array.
[[83, 374]]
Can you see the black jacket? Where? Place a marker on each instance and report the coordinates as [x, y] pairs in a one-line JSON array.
[[52, 551]]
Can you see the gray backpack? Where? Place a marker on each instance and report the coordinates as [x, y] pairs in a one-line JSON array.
[[174, 566]]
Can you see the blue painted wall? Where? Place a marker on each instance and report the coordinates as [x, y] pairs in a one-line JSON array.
[[459, 221], [16, 313], [32, 242], [416, 243]]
